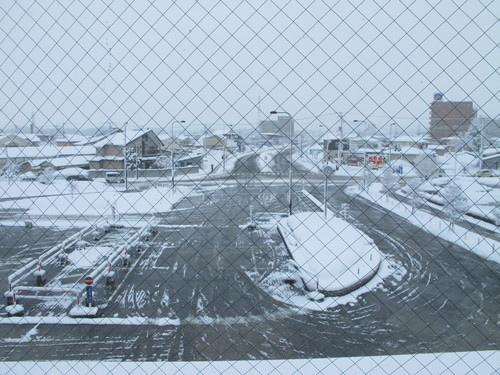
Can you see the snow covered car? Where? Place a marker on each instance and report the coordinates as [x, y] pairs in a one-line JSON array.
[[483, 173], [114, 177], [78, 177], [75, 174]]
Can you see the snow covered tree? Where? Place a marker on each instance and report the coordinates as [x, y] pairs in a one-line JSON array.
[[133, 160], [12, 170], [473, 138], [496, 215], [426, 165], [72, 188], [389, 180], [455, 202], [415, 199], [47, 176], [368, 177], [162, 162]]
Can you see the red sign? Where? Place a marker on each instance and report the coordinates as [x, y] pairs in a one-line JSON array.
[[89, 280], [377, 160]]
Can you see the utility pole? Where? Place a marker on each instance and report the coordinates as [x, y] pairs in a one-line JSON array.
[[341, 141], [290, 122], [125, 155], [172, 152]]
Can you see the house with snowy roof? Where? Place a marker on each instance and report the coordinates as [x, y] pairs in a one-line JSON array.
[[72, 140], [142, 148], [19, 140]]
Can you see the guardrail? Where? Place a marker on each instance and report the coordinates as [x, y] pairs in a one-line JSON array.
[[36, 265], [105, 268]]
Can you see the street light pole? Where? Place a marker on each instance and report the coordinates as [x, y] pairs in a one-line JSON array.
[[125, 155], [365, 166], [390, 145], [341, 142], [172, 167], [290, 120]]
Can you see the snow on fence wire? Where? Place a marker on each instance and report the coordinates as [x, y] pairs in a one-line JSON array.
[[394, 91]]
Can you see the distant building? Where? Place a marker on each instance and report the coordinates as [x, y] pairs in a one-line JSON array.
[[234, 142], [331, 146], [277, 131], [491, 158], [19, 140], [214, 142], [492, 129], [145, 145], [180, 143], [449, 119], [72, 140]]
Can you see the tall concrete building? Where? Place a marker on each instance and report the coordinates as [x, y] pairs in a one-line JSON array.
[[277, 130], [449, 119]]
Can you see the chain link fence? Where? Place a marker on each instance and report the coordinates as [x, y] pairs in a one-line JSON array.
[[249, 187]]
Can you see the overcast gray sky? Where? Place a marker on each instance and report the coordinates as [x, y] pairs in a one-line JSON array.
[[211, 61]]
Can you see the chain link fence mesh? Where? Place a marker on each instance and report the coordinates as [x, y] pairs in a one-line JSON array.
[[249, 187]]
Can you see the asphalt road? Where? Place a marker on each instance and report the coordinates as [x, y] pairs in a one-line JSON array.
[[221, 282]]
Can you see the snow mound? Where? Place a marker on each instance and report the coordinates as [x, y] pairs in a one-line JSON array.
[[332, 256]]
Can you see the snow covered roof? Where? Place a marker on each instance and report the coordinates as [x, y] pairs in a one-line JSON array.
[[30, 137], [73, 138], [491, 152], [111, 157], [71, 160], [411, 138], [118, 139], [45, 152]]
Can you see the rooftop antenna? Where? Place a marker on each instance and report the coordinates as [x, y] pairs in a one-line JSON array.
[[32, 124], [258, 111]]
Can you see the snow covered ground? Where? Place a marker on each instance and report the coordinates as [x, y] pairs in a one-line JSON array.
[[481, 196], [332, 255], [461, 363], [81, 199], [471, 241]]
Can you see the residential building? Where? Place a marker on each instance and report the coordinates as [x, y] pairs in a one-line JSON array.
[[143, 148], [331, 146], [212, 142], [19, 140]]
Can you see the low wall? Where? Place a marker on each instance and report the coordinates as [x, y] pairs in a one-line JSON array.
[[144, 173]]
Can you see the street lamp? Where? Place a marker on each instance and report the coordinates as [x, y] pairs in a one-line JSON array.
[[390, 145], [172, 152], [341, 142], [365, 164], [290, 169], [125, 155]]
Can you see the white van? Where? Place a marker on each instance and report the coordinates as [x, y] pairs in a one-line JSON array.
[[114, 177]]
